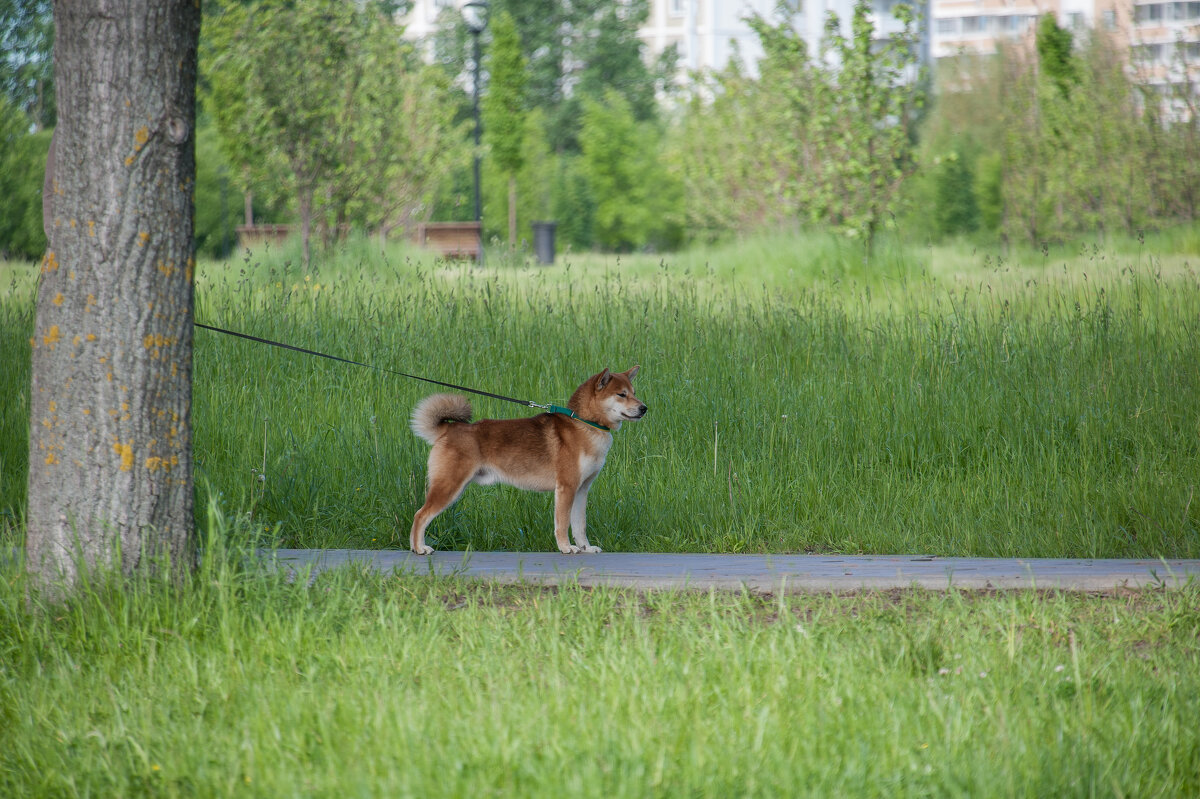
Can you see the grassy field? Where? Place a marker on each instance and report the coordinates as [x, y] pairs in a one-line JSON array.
[[242, 683], [940, 401]]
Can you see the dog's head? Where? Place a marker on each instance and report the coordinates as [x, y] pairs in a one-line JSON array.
[[612, 397]]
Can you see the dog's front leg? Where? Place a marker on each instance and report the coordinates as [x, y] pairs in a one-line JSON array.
[[564, 500], [579, 520]]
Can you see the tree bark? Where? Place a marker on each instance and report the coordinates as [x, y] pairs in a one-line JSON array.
[[110, 476]]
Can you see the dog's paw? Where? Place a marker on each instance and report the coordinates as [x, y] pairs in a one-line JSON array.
[[424, 549], [570, 549], [591, 550]]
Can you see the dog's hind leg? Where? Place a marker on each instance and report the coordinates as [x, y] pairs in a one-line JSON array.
[[446, 483]]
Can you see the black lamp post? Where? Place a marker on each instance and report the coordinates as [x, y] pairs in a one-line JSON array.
[[475, 14]]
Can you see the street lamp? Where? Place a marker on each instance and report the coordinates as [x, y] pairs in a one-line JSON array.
[[475, 14]]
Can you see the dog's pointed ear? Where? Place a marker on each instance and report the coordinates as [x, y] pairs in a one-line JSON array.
[[603, 378], [632, 373]]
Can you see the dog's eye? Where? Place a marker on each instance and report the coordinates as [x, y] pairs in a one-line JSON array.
[[622, 395]]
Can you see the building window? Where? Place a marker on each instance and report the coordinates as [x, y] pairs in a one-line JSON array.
[[675, 8], [1149, 52], [1075, 19], [1110, 19], [947, 25], [971, 25]]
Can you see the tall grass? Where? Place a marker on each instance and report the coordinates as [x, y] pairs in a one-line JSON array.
[[938, 401], [980, 410], [17, 295], [242, 682]]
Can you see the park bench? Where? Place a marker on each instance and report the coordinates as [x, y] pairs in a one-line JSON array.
[[250, 236], [450, 239]]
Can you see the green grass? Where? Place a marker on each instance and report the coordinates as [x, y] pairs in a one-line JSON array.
[[942, 401], [239, 682], [937, 401]]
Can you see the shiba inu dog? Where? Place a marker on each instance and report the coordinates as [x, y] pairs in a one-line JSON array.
[[549, 452]]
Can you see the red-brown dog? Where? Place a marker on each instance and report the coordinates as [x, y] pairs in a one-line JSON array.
[[549, 452]]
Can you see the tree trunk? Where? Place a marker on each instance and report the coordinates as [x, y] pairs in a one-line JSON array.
[[512, 211], [306, 215], [110, 474]]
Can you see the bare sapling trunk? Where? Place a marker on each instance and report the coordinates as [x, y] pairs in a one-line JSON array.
[[512, 210], [110, 474]]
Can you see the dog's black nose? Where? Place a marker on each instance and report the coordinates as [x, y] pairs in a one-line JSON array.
[[642, 410]]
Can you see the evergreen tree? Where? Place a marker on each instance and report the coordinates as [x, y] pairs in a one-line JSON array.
[[1054, 48], [504, 109]]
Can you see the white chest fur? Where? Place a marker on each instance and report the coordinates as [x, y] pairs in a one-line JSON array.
[[590, 463]]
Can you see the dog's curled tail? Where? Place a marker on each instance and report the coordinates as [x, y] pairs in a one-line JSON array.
[[435, 411]]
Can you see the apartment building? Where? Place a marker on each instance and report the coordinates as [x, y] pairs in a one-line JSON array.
[[1163, 37], [707, 33], [1165, 50], [977, 27]]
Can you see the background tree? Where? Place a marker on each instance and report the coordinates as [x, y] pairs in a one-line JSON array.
[[737, 181], [632, 192], [875, 92], [323, 102], [398, 138], [280, 89], [110, 471], [826, 140], [26, 58], [580, 50], [504, 109], [22, 169], [1054, 48]]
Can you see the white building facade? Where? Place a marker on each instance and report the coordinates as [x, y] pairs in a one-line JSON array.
[[707, 33], [1164, 37]]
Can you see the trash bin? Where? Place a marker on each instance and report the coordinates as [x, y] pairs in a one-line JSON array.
[[543, 241]]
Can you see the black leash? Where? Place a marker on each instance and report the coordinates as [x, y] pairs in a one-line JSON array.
[[528, 403]]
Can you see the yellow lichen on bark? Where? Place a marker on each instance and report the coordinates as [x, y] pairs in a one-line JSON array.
[[126, 453], [52, 337], [154, 463]]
